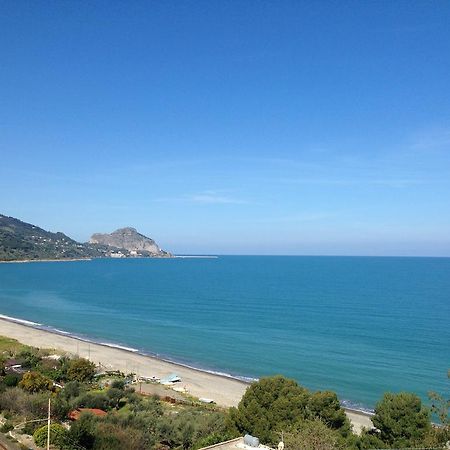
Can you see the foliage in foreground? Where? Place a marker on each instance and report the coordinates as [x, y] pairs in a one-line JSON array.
[[313, 434], [402, 420], [58, 435], [278, 404], [313, 420]]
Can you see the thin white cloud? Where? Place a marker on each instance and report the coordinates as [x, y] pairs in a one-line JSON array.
[[206, 198]]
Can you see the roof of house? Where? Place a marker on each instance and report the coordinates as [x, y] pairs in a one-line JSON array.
[[12, 362], [76, 413]]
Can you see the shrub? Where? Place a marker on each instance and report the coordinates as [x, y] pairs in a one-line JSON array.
[[58, 435], [7, 426], [11, 380]]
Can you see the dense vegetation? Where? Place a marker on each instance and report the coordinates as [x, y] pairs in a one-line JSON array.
[[133, 421], [317, 421], [20, 240], [23, 241], [271, 408]]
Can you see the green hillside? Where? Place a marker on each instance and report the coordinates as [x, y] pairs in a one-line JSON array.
[[20, 240]]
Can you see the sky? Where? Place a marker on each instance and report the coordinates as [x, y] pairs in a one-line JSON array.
[[227, 127]]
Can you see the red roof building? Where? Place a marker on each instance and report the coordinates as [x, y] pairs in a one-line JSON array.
[[76, 413]]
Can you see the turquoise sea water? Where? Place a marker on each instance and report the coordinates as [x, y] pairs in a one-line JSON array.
[[356, 325]]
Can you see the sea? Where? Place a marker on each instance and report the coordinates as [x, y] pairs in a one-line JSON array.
[[359, 326]]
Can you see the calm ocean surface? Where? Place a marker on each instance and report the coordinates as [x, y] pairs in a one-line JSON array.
[[359, 326]]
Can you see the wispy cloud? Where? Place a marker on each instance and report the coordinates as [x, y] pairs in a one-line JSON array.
[[206, 198]]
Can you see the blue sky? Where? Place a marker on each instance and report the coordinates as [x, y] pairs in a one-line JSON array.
[[260, 127]]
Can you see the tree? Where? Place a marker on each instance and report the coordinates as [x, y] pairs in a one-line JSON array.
[[92, 400], [312, 435], [72, 389], [35, 382], [325, 406], [441, 406], [58, 435], [269, 406], [401, 419], [83, 431], [115, 395], [30, 357], [81, 369], [368, 440]]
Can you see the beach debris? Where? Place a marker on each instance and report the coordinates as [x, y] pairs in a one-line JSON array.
[[182, 390], [206, 400], [145, 379]]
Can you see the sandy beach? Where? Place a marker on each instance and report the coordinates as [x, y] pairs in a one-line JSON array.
[[223, 390]]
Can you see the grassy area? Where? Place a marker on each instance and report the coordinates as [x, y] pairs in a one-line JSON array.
[[11, 346]]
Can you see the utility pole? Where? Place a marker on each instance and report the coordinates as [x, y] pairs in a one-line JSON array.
[[139, 379], [48, 426]]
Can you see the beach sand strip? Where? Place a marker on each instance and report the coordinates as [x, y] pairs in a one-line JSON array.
[[224, 391]]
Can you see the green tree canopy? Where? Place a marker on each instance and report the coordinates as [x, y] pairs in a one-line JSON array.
[[35, 382], [81, 369], [325, 406], [82, 432], [269, 406], [401, 419], [312, 434]]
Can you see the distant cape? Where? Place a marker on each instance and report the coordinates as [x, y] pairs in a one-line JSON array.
[[22, 241], [129, 239]]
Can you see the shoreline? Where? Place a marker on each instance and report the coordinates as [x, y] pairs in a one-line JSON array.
[[224, 389]]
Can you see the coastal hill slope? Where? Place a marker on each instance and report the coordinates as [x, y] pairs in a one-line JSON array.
[[21, 241], [129, 239]]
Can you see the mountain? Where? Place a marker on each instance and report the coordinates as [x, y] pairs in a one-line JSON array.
[[23, 241], [129, 239]]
